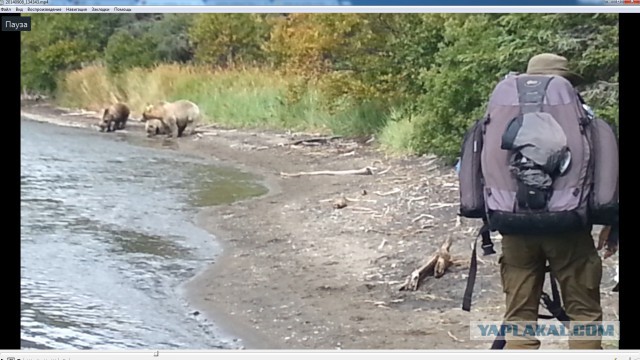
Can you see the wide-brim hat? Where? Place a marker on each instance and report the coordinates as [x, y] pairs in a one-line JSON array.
[[552, 64]]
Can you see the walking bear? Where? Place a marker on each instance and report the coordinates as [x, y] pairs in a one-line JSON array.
[[114, 117], [175, 116]]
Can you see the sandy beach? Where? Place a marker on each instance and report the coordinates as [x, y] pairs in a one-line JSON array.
[[317, 263]]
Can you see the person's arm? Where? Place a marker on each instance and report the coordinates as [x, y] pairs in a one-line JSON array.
[[609, 239]]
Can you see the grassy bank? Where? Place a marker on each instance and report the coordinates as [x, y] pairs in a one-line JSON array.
[[240, 98]]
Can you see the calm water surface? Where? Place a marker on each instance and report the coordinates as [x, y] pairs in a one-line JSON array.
[[108, 238]]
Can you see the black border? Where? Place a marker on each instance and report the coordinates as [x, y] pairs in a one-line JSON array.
[[629, 310], [10, 105]]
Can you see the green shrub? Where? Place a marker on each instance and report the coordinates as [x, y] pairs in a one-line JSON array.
[[125, 51]]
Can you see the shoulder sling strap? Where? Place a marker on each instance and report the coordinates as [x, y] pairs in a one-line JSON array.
[[487, 247]]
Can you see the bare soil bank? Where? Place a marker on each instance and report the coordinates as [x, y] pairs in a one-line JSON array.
[[299, 273]]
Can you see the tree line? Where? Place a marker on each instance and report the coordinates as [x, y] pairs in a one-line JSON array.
[[426, 75]]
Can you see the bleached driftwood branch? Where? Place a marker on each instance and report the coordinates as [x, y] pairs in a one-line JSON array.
[[363, 171], [320, 140]]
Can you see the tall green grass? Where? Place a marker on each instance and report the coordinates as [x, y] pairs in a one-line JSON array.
[[240, 98]]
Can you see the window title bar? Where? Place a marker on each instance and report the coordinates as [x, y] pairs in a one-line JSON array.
[[317, 9]]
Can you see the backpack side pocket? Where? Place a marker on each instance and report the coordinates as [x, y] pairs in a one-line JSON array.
[[472, 204]]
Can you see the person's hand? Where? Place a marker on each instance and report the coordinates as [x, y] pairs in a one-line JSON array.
[[610, 239]]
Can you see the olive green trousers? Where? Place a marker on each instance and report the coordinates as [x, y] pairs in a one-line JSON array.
[[573, 260]]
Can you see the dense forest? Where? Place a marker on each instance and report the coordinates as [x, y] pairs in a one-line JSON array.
[[416, 81]]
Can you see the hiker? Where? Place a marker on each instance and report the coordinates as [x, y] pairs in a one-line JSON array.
[[572, 256], [522, 172]]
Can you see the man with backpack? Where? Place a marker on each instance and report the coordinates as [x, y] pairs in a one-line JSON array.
[[540, 169]]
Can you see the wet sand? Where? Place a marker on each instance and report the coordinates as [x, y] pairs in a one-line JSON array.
[[299, 273]]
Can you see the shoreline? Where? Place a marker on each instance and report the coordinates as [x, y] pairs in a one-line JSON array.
[[297, 273], [212, 316]]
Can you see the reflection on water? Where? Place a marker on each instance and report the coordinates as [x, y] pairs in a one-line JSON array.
[[107, 239]]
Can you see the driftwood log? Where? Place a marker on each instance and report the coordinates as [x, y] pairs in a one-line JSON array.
[[436, 266], [316, 140], [363, 171]]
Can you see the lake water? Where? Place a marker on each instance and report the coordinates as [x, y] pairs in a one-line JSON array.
[[108, 239]]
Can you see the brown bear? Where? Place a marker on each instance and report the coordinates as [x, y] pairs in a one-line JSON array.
[[175, 116], [154, 127], [114, 117]]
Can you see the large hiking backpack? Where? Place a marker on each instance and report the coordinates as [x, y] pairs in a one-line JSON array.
[[537, 162], [511, 166]]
